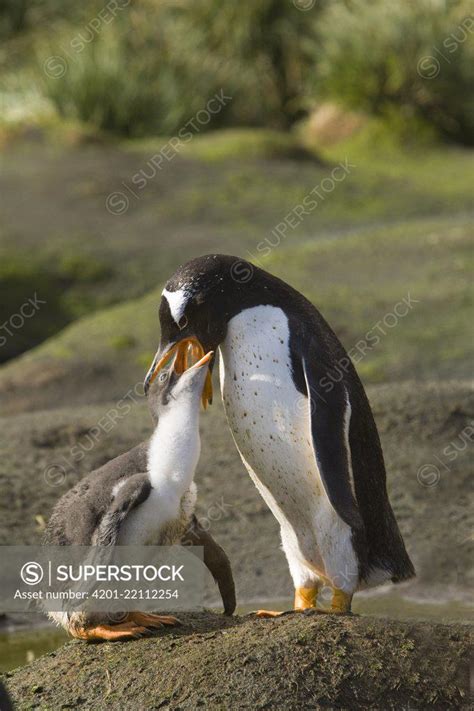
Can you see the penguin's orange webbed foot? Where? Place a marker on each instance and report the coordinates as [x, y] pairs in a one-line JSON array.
[[152, 621], [306, 599], [341, 602], [110, 633]]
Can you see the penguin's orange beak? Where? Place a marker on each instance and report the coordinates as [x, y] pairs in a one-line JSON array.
[[188, 353]]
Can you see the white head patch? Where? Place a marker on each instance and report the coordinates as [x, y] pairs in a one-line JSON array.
[[177, 301]]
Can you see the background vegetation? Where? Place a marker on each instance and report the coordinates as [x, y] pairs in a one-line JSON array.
[[91, 90], [146, 66]]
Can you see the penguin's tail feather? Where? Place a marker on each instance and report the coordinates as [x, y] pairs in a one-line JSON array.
[[382, 569], [386, 557], [405, 572], [393, 563]]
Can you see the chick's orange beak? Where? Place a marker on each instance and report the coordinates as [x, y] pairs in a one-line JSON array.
[[188, 353], [203, 361]]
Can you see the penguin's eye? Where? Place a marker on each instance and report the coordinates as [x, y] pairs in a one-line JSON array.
[[183, 322], [163, 377]]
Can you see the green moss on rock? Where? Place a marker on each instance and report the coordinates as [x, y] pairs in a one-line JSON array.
[[294, 662]]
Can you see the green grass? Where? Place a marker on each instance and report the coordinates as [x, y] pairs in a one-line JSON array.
[[127, 328], [233, 144], [437, 173], [226, 192], [386, 181], [355, 281], [66, 287]]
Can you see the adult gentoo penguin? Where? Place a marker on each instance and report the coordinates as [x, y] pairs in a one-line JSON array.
[[146, 496], [312, 450]]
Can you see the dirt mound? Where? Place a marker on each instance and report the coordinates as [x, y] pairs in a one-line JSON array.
[[294, 662]]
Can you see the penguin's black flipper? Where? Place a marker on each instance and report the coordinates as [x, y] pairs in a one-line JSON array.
[[133, 493], [215, 559], [330, 414]]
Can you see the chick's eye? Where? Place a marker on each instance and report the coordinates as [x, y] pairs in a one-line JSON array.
[[183, 322], [163, 377]]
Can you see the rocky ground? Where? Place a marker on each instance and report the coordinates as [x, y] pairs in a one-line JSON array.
[[297, 661]]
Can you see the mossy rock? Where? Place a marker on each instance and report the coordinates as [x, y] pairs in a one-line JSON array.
[[293, 662]]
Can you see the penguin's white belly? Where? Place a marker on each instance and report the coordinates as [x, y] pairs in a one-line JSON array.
[[270, 422], [159, 520]]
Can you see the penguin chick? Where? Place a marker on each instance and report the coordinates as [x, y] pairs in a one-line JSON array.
[[144, 497]]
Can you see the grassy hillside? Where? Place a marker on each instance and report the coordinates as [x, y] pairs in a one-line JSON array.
[[399, 296], [221, 192], [359, 280]]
